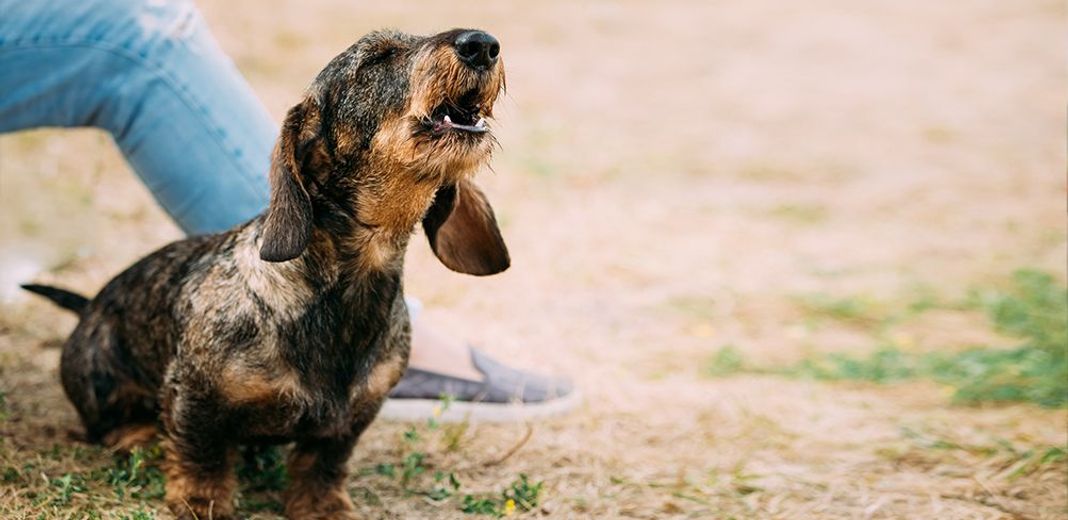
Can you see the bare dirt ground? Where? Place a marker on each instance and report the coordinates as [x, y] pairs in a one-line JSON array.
[[673, 178]]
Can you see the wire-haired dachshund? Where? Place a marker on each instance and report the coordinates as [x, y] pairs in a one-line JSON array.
[[292, 327]]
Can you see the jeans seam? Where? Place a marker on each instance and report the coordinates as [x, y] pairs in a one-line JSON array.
[[172, 83]]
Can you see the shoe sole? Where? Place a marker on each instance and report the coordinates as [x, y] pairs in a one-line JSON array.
[[411, 410]]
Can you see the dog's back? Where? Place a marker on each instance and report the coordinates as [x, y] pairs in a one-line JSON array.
[[114, 361]]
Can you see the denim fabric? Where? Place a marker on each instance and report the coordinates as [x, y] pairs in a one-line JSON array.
[[149, 73]]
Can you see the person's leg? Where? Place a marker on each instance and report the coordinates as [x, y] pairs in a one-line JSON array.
[[440, 352], [150, 73]]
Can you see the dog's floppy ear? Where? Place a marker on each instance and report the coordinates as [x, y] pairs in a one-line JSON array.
[[288, 226], [463, 231]]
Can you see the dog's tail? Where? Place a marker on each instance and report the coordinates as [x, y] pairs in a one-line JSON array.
[[63, 298]]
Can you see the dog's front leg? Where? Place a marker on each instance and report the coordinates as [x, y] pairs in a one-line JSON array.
[[199, 462], [317, 476]]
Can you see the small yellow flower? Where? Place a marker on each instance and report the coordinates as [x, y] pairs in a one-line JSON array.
[[437, 410], [509, 507]]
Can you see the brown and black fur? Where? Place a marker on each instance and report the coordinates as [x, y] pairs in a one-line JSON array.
[[292, 327]]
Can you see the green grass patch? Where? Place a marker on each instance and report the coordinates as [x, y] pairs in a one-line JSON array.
[[137, 475], [725, 361], [520, 495], [263, 468], [1033, 308], [140, 514], [857, 311], [421, 473], [1012, 459]]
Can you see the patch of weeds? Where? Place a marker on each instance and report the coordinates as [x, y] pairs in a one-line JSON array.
[[412, 435], [1034, 459], [259, 503], [413, 463], [445, 486], [520, 495], [1023, 374], [386, 470], [413, 470], [10, 475], [453, 435], [524, 493], [924, 298], [727, 360], [63, 488], [263, 469], [1035, 309], [882, 366], [140, 514], [480, 506], [858, 311], [261, 472], [3, 406], [137, 475], [412, 467], [1014, 461]]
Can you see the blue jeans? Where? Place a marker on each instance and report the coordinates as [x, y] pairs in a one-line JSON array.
[[149, 73]]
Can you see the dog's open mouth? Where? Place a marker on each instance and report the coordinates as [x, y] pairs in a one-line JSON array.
[[465, 115]]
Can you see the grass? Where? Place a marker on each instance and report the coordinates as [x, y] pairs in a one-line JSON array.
[[137, 475], [595, 248], [999, 457], [862, 312], [52, 488], [137, 481], [1034, 308], [418, 473], [520, 495], [726, 360]]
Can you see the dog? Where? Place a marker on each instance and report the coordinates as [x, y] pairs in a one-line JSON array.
[[292, 327]]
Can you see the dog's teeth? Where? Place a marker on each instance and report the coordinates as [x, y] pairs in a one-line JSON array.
[[481, 123], [448, 119]]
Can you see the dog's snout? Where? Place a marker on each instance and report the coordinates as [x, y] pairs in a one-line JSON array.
[[477, 49]]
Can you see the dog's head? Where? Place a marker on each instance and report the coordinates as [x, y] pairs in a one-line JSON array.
[[388, 133]]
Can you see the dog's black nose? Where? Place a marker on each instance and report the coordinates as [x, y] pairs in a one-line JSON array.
[[477, 49]]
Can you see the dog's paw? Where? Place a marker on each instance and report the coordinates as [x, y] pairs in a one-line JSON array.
[[125, 438], [194, 508], [198, 497], [325, 505]]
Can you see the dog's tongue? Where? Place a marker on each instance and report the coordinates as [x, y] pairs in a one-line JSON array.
[[478, 127]]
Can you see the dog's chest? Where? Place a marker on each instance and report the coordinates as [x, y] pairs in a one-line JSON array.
[[277, 401], [280, 405], [311, 374]]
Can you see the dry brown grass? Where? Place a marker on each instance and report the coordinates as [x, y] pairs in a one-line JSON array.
[[674, 175]]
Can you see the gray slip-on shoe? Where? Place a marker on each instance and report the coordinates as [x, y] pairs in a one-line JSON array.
[[505, 394]]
